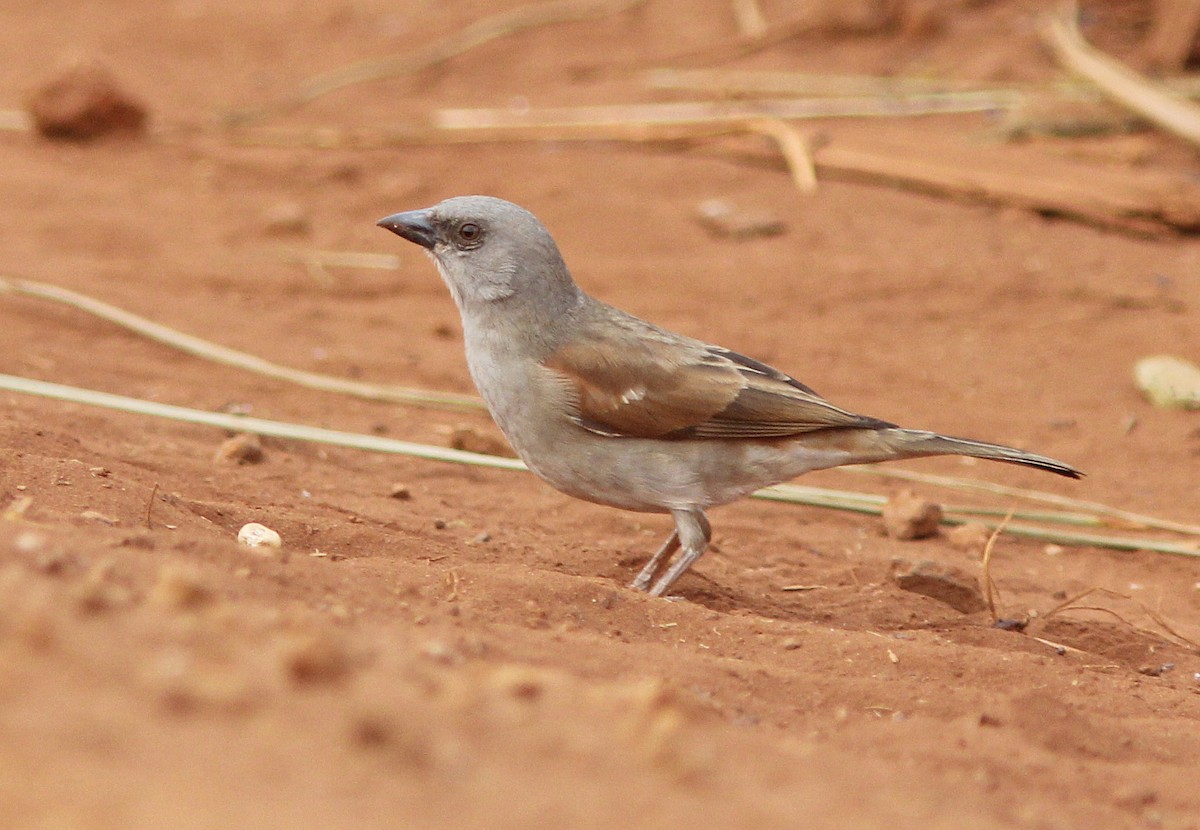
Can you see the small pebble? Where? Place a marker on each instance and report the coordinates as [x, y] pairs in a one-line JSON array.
[[471, 439], [908, 516], [400, 491], [1168, 382], [85, 102], [724, 220], [255, 535], [96, 516]]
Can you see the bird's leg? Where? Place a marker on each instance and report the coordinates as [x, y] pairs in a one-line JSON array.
[[694, 534], [642, 581]]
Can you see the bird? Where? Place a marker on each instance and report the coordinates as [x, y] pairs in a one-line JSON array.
[[612, 409]]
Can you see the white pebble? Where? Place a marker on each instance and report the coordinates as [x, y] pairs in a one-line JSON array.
[[255, 535], [1169, 381]]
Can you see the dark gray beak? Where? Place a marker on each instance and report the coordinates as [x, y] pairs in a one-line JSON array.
[[414, 225]]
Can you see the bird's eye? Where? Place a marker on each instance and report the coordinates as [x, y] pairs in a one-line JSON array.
[[469, 234]]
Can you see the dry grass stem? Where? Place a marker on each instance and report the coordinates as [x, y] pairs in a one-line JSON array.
[[1170, 629], [1152, 102], [725, 82], [1071, 604], [232, 357], [257, 426], [1059, 647], [375, 443], [990, 590], [1118, 518], [796, 149], [344, 259], [793, 493], [557, 120], [476, 34]]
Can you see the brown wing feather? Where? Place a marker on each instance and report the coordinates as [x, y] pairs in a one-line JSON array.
[[628, 378]]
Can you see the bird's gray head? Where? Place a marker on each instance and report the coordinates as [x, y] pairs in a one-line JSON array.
[[488, 251]]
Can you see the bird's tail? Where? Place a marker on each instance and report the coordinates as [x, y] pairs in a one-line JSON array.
[[914, 443]]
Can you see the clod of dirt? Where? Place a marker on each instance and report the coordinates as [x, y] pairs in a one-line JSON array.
[[945, 583], [243, 448], [255, 535], [400, 491], [727, 221], [1168, 382], [971, 537], [83, 103], [472, 440], [908, 516]]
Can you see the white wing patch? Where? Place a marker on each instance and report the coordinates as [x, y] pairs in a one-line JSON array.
[[633, 394]]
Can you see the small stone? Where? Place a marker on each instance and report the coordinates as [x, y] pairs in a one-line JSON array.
[[944, 583], [724, 220], [243, 448], [400, 491], [971, 537], [96, 516], [1010, 624], [471, 439], [1168, 381], [481, 538], [792, 643], [908, 516], [255, 535], [85, 102]]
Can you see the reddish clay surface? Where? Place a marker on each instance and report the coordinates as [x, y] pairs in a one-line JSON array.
[[395, 669]]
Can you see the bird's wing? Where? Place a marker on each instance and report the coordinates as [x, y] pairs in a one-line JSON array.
[[627, 378]]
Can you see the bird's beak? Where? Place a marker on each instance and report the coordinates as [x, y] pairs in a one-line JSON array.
[[414, 225]]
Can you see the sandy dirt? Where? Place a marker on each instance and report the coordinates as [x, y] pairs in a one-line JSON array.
[[470, 656]]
